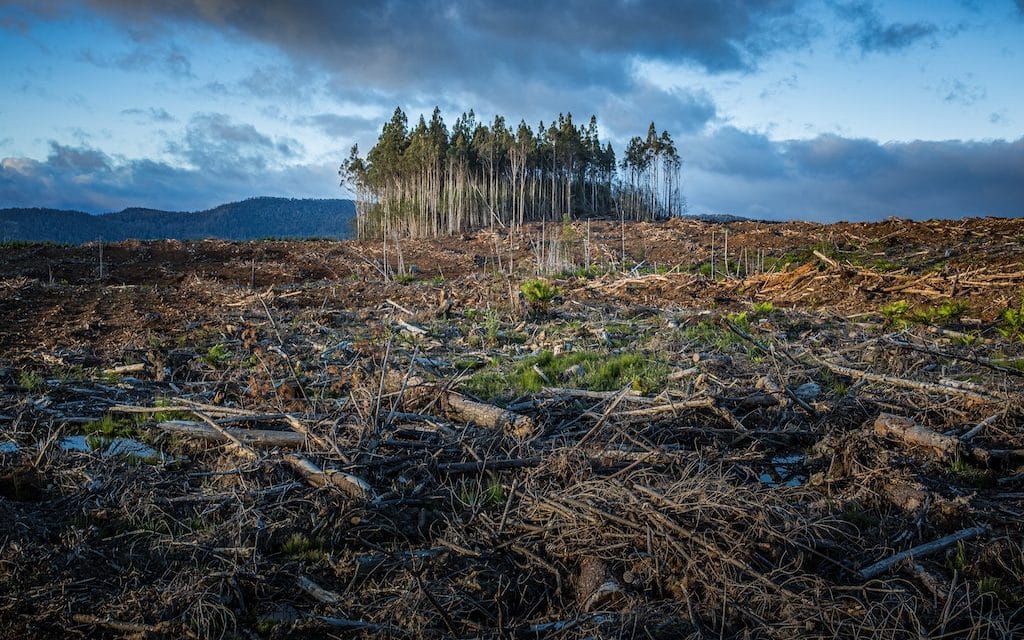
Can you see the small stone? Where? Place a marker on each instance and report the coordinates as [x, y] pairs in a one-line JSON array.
[[808, 391]]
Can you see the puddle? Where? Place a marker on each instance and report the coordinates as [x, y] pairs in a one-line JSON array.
[[782, 473], [8, 448], [113, 447]]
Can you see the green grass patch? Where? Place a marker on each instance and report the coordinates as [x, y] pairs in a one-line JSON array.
[[709, 333], [595, 371], [110, 427]]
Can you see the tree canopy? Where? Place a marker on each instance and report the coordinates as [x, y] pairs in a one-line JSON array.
[[427, 180]]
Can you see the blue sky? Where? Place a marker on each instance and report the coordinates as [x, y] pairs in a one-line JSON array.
[[822, 110]]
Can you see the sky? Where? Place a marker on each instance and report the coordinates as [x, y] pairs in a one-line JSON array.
[[812, 109]]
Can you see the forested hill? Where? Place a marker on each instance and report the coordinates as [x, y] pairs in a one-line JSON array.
[[245, 220]]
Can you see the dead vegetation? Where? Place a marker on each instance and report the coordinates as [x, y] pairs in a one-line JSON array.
[[814, 445]]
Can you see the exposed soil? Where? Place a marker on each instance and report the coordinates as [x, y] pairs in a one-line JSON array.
[[664, 448]]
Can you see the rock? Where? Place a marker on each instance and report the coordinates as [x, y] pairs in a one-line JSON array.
[[808, 391]]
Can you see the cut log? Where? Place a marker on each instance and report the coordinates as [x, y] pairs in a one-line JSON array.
[[461, 408], [416, 392], [942, 446], [927, 387], [905, 430], [350, 484]]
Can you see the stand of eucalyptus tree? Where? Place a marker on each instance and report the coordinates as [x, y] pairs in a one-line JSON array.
[[429, 181]]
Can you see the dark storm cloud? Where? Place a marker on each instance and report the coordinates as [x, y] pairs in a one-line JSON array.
[[87, 179], [580, 42], [831, 177], [874, 35]]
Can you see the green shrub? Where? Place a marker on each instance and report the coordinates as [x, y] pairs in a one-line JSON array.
[[539, 293], [763, 308], [217, 355], [30, 380], [1013, 323]]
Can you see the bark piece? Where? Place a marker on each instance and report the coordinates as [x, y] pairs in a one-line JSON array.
[[598, 590]]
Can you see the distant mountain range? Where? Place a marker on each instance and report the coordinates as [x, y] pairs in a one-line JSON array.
[[245, 220]]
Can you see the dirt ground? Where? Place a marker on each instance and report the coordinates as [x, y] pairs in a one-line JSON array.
[[681, 429]]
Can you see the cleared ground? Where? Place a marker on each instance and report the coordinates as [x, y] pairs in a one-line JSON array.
[[664, 437]]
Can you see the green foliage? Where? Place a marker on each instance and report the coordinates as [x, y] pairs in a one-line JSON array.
[[1013, 323], [301, 547], [110, 427], [586, 273], [995, 586], [900, 313], [958, 562], [895, 311], [217, 356], [165, 416], [710, 333], [539, 292], [970, 475], [641, 373], [492, 325], [966, 339], [858, 516], [763, 309], [30, 380], [491, 495], [405, 278], [100, 433]]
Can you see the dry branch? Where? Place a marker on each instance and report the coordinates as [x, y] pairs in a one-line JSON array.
[[928, 387], [253, 437], [882, 566]]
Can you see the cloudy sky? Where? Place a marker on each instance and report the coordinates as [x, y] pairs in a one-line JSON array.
[[816, 109]]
